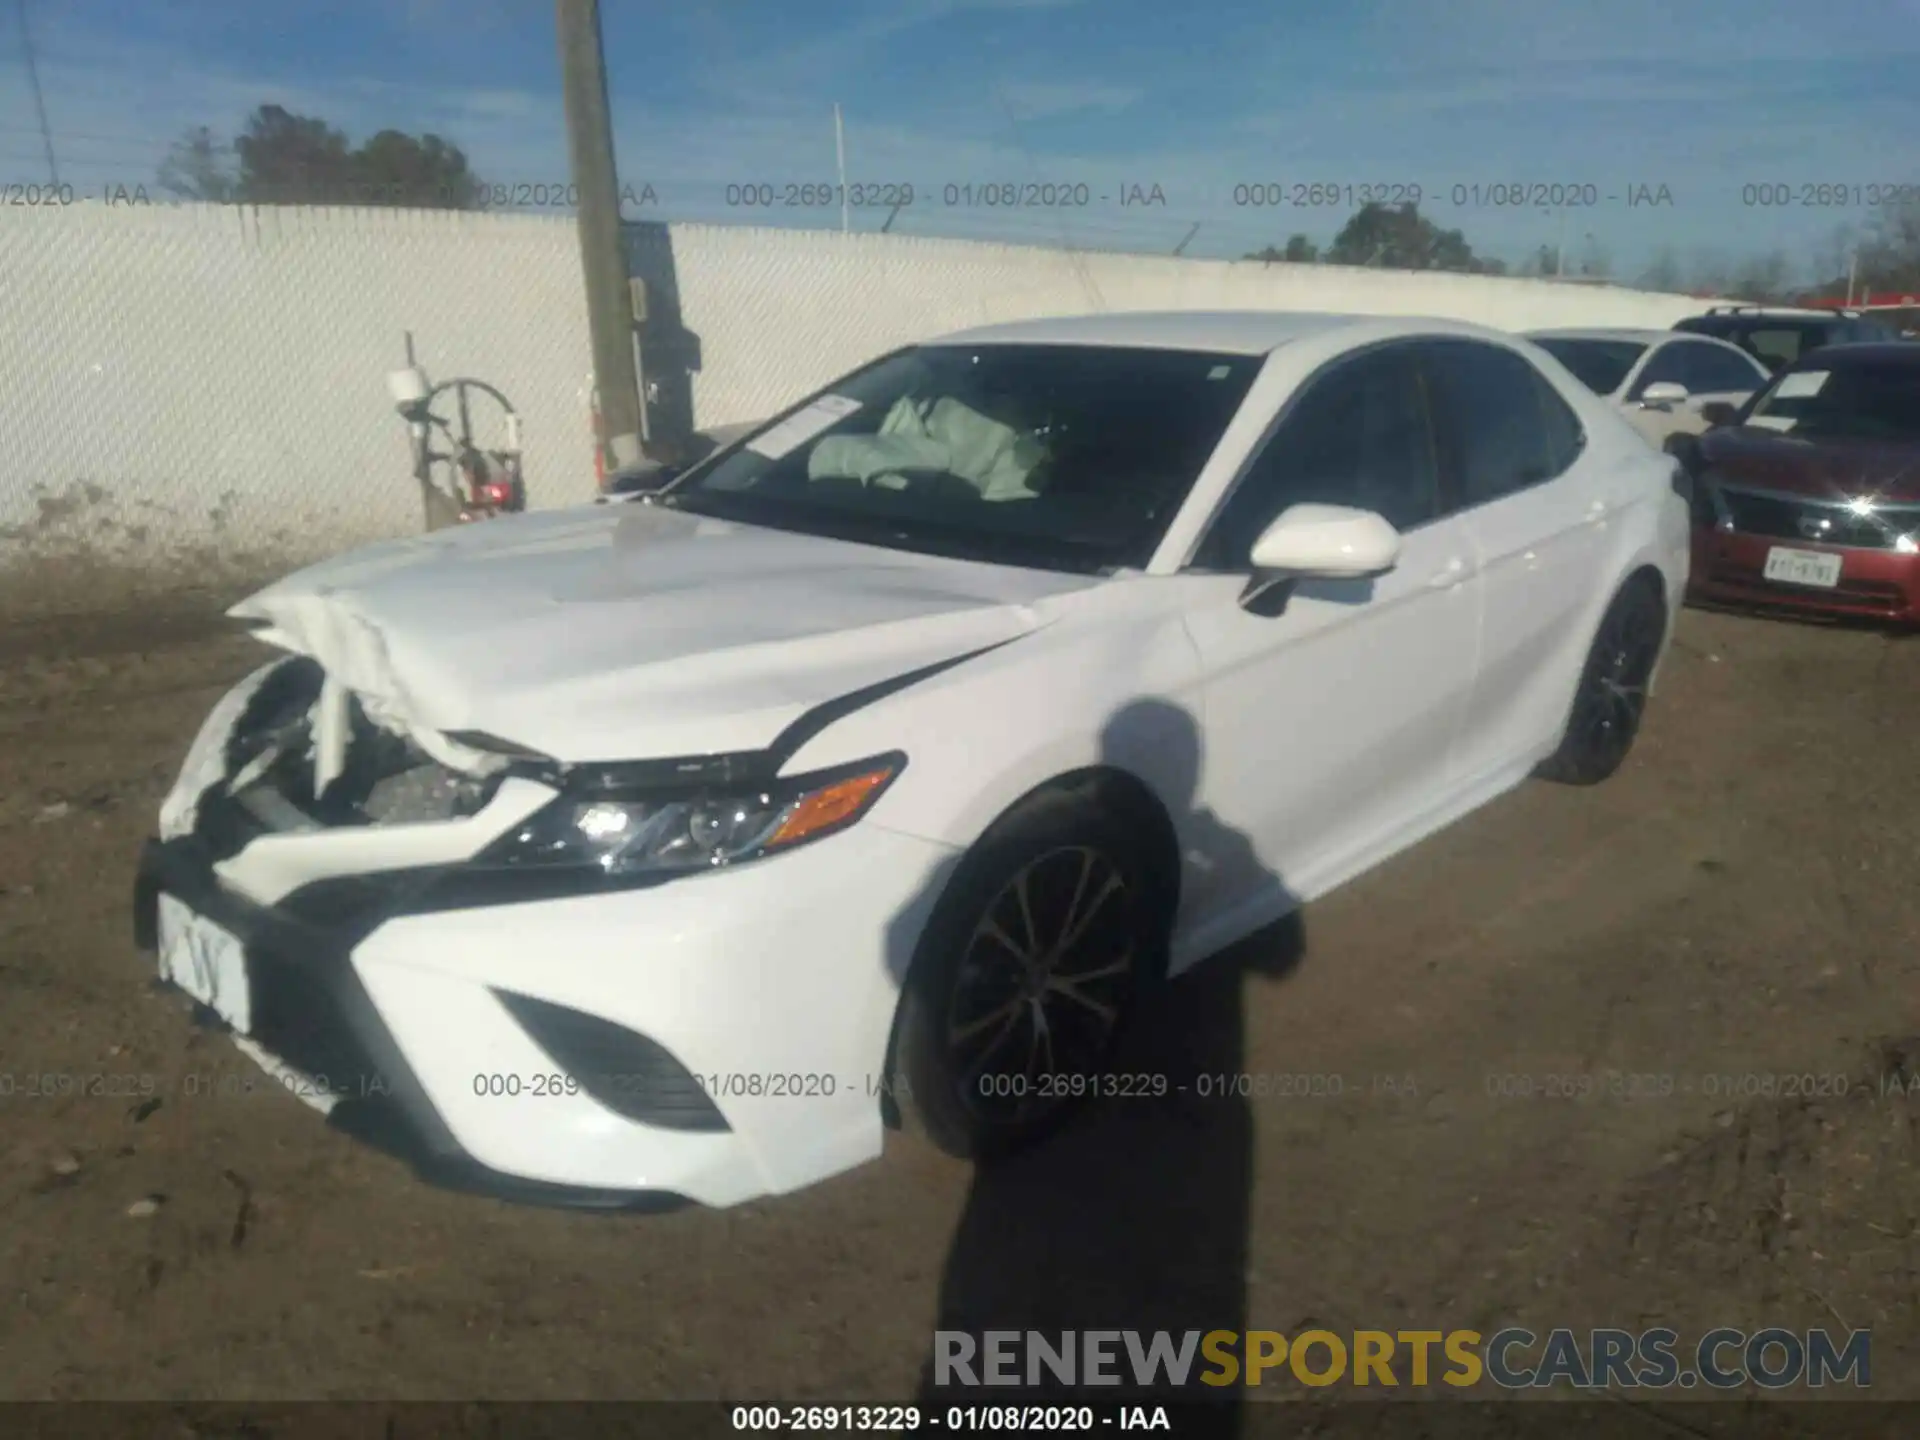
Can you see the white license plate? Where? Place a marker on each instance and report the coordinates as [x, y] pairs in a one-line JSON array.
[[207, 961], [1803, 567]]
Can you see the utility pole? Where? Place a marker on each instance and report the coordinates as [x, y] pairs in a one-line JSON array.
[[603, 260], [840, 159]]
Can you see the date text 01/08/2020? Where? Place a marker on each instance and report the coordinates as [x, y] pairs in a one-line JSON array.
[[1663, 1085], [803, 1085], [1044, 1419]]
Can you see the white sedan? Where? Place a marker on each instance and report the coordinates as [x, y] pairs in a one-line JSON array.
[[1667, 384], [885, 761]]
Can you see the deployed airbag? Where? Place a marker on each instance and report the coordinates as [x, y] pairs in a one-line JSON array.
[[944, 436]]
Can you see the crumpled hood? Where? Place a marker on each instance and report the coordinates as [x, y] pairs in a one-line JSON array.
[[1821, 468], [631, 632]]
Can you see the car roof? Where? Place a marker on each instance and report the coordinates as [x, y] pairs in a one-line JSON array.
[[1232, 332], [1598, 332], [1772, 316]]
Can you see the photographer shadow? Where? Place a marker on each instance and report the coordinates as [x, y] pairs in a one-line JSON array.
[[1133, 1217]]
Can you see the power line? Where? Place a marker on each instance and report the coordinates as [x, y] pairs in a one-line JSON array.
[[39, 100]]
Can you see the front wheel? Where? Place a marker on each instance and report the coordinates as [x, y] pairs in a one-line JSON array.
[[1613, 689], [1029, 973]]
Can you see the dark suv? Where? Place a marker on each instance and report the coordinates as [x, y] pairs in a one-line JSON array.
[[1777, 338]]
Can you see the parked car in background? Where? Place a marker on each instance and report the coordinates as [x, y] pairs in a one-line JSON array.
[[1663, 382], [894, 755], [1777, 337], [1811, 498]]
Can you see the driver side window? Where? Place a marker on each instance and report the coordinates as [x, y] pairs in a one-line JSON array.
[[1667, 367], [1358, 435]]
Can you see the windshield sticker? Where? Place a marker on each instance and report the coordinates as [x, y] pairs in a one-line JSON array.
[[1219, 372], [1801, 384], [801, 426]]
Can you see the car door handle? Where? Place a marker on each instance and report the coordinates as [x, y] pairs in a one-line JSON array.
[[1449, 575], [1598, 510]]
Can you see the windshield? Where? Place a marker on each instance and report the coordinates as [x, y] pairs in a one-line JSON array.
[[1600, 365], [1053, 456], [1849, 402]]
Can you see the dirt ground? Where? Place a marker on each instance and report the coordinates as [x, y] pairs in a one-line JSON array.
[[1734, 910]]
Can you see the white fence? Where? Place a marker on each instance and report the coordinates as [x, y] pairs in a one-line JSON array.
[[192, 391]]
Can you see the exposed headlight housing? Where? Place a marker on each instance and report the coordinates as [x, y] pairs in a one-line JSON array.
[[636, 833]]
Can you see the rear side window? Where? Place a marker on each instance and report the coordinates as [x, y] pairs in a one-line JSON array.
[[1777, 346], [1493, 405]]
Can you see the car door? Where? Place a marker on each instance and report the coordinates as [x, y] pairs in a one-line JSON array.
[[1536, 512], [1331, 720], [1707, 372]]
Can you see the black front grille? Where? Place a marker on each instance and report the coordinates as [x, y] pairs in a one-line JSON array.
[[1780, 518]]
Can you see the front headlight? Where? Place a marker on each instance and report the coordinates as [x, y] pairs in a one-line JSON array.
[[641, 834]]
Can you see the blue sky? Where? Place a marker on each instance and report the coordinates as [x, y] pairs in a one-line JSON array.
[[1705, 98]]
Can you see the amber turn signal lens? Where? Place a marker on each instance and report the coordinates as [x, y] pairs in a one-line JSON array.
[[830, 805]]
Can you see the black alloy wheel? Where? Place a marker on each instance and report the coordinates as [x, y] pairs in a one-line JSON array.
[[1027, 979], [1612, 696], [1041, 988]]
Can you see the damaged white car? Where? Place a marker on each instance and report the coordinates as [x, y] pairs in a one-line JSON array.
[[889, 757]]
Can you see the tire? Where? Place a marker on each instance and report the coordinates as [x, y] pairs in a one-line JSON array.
[[975, 1083], [1612, 697]]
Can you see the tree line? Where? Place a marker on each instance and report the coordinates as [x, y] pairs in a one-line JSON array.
[[1884, 255], [280, 158]]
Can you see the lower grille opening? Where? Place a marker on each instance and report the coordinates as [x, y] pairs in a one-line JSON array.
[[628, 1073]]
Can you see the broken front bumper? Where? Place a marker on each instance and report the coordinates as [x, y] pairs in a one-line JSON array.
[[714, 1037], [312, 1012]]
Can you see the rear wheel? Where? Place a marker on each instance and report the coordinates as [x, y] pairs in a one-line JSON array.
[[1613, 689], [1030, 972]]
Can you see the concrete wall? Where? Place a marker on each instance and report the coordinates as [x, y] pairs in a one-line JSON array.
[[191, 392]]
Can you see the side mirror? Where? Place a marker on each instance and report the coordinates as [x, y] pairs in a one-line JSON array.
[[1663, 392], [1718, 413], [1328, 542]]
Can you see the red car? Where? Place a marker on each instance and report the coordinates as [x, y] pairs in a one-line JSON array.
[[1808, 497]]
